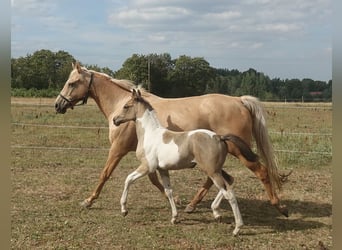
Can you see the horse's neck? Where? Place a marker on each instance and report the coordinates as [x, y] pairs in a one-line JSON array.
[[147, 123], [108, 96]]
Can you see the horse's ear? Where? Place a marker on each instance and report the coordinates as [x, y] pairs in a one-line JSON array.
[[138, 93], [134, 93], [78, 67]]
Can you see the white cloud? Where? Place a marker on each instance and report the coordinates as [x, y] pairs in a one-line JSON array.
[[157, 38], [222, 16], [256, 45], [147, 18], [279, 27], [33, 7], [251, 15], [224, 31]]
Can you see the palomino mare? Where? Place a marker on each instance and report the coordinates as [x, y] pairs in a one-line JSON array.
[[242, 116], [163, 150]]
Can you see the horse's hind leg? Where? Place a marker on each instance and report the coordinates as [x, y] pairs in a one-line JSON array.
[[164, 174], [201, 193], [230, 196], [199, 196], [226, 191], [215, 205], [262, 174]]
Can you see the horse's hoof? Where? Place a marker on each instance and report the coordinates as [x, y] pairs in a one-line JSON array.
[[189, 209], [85, 204], [237, 229], [174, 221], [177, 200], [283, 210], [124, 213], [218, 218]]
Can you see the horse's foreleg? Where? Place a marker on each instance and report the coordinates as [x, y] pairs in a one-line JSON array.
[[155, 181], [113, 159], [141, 171], [164, 174]]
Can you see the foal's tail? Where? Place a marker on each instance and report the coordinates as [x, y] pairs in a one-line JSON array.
[[245, 150], [262, 139]]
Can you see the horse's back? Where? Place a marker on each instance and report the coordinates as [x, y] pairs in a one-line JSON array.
[[220, 113]]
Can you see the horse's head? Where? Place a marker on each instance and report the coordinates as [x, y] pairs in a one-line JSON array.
[[76, 89], [130, 110]]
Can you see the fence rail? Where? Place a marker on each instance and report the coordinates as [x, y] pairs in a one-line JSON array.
[[104, 127], [106, 149]]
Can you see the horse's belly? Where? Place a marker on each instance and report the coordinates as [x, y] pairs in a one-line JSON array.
[[168, 155]]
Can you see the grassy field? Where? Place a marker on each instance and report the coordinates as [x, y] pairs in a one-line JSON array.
[[57, 159]]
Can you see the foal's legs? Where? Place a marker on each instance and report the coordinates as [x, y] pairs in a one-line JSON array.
[[261, 173], [164, 174], [141, 171], [215, 205], [226, 191], [201, 193]]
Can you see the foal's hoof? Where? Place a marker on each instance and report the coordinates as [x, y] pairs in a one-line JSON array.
[[189, 209], [237, 230], [85, 204], [218, 218], [124, 213], [174, 221]]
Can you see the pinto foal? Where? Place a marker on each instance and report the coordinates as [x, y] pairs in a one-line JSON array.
[[161, 149]]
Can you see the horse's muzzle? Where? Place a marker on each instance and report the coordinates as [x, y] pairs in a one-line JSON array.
[[60, 107], [117, 121]]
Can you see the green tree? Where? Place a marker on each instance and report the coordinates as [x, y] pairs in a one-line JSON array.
[[134, 69], [43, 69], [190, 76], [159, 67], [149, 70]]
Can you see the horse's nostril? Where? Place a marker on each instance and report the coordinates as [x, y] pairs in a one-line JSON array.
[[56, 105]]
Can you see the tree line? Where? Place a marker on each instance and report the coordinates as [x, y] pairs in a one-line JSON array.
[[44, 73]]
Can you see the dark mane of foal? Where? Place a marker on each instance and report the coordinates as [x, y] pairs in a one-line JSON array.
[[144, 102]]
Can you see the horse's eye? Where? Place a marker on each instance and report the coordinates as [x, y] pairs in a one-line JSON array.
[[126, 107], [72, 85]]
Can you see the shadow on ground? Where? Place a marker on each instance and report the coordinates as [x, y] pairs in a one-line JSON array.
[[303, 215]]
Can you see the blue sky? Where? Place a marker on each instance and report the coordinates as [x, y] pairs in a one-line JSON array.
[[282, 38]]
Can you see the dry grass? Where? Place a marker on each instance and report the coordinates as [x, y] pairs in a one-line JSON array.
[[48, 184]]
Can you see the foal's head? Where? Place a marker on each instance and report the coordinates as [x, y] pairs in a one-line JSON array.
[[133, 109]]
